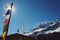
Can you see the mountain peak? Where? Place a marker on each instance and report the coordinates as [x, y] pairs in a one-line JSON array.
[[49, 27]]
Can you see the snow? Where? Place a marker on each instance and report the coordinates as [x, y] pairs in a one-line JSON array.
[[53, 24], [51, 31], [34, 31], [41, 30]]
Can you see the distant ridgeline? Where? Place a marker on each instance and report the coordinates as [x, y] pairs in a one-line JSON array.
[[50, 36], [17, 37], [52, 32]]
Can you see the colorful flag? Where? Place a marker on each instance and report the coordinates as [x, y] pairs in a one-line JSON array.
[[6, 23]]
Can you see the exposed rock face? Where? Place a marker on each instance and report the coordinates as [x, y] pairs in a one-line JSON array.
[[50, 36], [45, 28]]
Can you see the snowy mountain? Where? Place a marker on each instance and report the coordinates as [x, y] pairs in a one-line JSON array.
[[45, 28], [52, 28]]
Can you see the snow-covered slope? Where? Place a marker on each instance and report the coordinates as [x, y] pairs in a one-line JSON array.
[[46, 28], [32, 32]]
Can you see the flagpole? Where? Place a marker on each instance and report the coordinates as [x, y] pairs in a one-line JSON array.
[[6, 22]]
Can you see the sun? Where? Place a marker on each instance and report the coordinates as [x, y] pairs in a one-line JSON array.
[[8, 7]]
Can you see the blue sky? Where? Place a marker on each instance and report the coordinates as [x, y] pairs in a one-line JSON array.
[[29, 12]]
